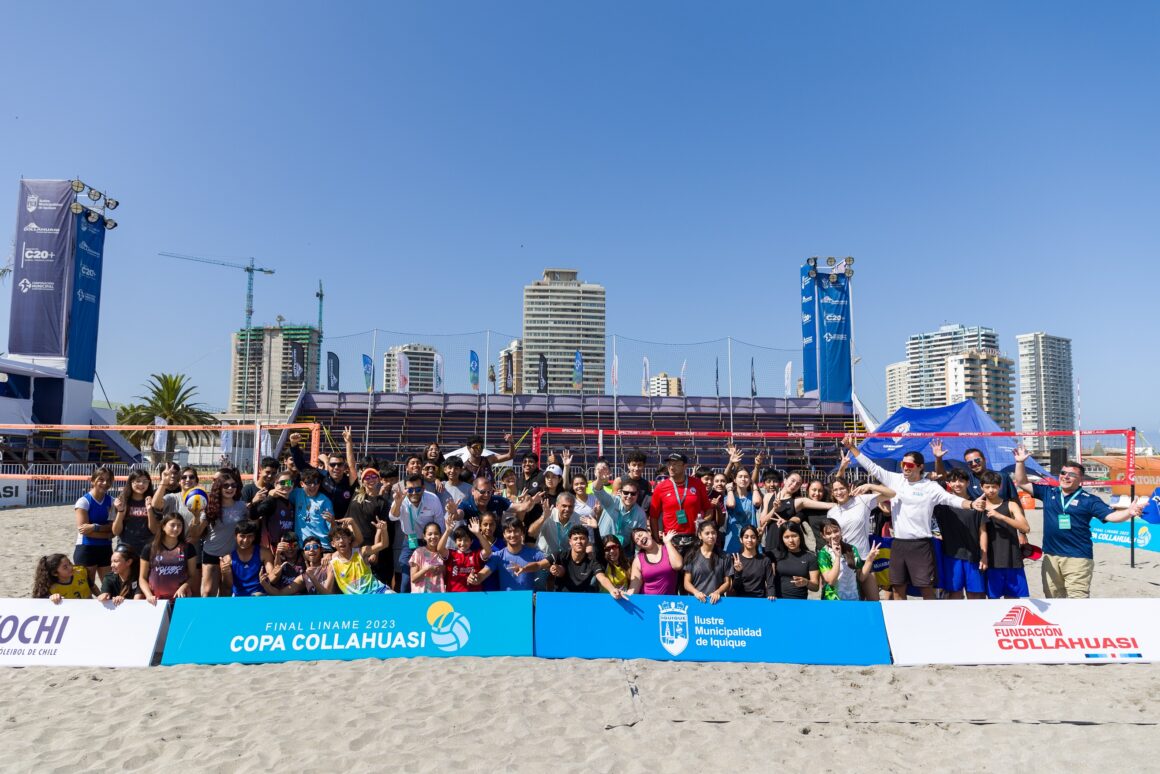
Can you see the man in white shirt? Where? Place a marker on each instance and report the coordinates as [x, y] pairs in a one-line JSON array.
[[414, 508], [912, 508]]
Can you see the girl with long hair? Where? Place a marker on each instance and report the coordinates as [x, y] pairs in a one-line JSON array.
[[752, 571], [656, 566], [795, 568], [169, 564], [707, 575], [842, 568], [132, 522], [224, 510], [123, 581], [57, 578], [94, 525]]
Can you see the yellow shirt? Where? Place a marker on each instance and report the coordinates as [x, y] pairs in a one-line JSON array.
[[354, 575], [77, 588], [617, 576]]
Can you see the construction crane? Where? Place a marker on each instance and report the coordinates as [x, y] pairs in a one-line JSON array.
[[249, 268]]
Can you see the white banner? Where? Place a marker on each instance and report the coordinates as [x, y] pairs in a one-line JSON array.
[[13, 492], [1024, 631], [78, 632]]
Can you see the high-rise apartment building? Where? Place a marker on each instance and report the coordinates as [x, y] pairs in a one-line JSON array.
[[927, 353], [420, 360], [987, 378], [271, 387], [1046, 397], [664, 386], [563, 315], [897, 381], [511, 366]]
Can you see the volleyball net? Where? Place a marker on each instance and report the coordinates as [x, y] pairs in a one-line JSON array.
[[59, 452], [820, 452]]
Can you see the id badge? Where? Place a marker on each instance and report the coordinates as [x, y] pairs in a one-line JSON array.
[[412, 541], [1065, 520], [681, 517]]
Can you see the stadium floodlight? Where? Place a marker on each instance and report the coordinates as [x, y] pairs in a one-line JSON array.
[[76, 208], [813, 273], [93, 216], [849, 260], [111, 204], [813, 261], [95, 195], [849, 273], [110, 224], [830, 261], [77, 185]]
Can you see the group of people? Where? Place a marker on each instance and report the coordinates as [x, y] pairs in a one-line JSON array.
[[463, 524]]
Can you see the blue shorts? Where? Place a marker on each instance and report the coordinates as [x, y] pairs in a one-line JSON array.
[[960, 574], [1011, 582]]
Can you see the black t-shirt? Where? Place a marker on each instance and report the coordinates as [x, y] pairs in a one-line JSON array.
[[548, 502], [815, 518], [578, 576], [771, 540], [365, 511], [248, 492], [276, 515], [960, 531], [115, 587], [135, 532], [708, 573], [1003, 551], [755, 579], [788, 566]]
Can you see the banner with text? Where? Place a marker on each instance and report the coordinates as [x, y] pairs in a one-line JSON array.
[[78, 633], [337, 628], [1120, 534], [809, 332], [681, 628], [85, 299], [41, 268], [833, 338], [1024, 631]]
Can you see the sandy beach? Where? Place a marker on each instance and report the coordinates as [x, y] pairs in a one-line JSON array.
[[570, 715]]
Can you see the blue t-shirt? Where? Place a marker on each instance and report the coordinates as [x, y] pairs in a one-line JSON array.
[[98, 512], [736, 518], [1151, 512], [1076, 541], [496, 506], [308, 519], [508, 581]]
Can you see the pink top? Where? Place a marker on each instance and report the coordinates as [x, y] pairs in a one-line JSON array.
[[659, 578]]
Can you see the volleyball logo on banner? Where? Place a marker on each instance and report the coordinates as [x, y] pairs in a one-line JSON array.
[[473, 369], [450, 630]]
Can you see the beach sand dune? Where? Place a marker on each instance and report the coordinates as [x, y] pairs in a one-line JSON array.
[[470, 714]]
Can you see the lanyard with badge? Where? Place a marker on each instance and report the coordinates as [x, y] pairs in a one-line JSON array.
[[1064, 516], [681, 517], [412, 537]]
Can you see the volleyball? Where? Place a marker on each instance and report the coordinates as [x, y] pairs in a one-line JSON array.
[[449, 630], [195, 500]]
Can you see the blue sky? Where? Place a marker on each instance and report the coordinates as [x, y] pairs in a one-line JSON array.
[[986, 163]]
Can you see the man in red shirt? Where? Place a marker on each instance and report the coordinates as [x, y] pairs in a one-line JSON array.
[[678, 503]]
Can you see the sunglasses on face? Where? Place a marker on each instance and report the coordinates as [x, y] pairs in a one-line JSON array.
[[286, 482], [312, 547], [229, 485], [909, 465], [414, 489], [1068, 474], [975, 461], [628, 493], [335, 464], [189, 477]]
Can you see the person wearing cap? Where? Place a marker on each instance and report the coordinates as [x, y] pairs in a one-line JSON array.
[[678, 503], [1068, 511], [548, 487], [369, 506], [912, 558], [338, 480]]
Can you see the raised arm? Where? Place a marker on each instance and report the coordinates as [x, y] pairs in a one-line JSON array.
[[348, 442], [939, 451], [509, 454], [1021, 480]]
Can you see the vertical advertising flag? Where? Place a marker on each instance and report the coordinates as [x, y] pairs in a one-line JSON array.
[[684, 370], [227, 442], [615, 373], [160, 437], [644, 377], [809, 288], [834, 378], [402, 372], [473, 369], [332, 371], [577, 371], [438, 372], [41, 269], [717, 375], [752, 380], [508, 372], [369, 372], [542, 380], [85, 298], [788, 379], [297, 361]]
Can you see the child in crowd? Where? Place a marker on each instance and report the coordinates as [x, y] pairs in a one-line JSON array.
[[348, 571], [94, 528], [248, 560], [313, 510], [463, 565], [132, 524], [964, 543], [426, 562], [169, 564], [123, 581], [1006, 578], [842, 568], [708, 576], [752, 572], [57, 578]]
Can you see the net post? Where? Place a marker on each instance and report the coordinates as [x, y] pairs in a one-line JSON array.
[[1130, 471], [257, 429], [316, 442], [536, 441]]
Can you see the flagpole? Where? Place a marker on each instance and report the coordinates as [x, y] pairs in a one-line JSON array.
[[615, 411], [730, 340], [486, 402], [371, 393]]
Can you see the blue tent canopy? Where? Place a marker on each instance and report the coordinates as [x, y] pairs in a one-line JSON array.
[[965, 417]]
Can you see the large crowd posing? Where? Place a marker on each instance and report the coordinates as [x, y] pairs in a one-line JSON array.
[[495, 522]]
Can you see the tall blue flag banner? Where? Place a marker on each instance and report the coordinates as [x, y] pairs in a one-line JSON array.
[[369, 371], [85, 299], [809, 331], [42, 269], [833, 331], [473, 369], [332, 373], [578, 371]]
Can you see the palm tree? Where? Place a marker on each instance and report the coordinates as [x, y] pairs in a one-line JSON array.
[[170, 397]]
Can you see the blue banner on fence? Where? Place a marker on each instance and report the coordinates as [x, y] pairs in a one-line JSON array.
[[1120, 534], [259, 630], [681, 628]]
